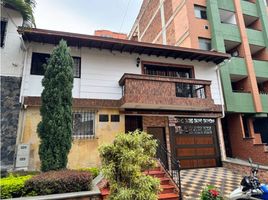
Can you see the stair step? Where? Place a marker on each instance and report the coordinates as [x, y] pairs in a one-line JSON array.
[[168, 196], [167, 189], [164, 181], [157, 174]]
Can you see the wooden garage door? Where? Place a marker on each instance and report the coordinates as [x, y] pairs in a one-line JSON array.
[[194, 142]]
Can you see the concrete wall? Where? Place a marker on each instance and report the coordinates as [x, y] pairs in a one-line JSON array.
[[84, 152], [12, 55], [101, 71]]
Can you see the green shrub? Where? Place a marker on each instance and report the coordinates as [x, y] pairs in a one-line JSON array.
[[211, 193], [93, 170], [55, 182], [123, 163], [13, 186], [23, 173]]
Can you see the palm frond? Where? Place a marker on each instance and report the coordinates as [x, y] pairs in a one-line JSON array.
[[25, 7]]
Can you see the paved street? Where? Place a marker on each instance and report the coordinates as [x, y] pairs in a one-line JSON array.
[[194, 180]]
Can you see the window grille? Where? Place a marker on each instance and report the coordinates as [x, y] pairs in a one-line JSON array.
[[84, 124]]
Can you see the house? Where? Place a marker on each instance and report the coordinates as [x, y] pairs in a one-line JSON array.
[[13, 54], [120, 85], [237, 27]]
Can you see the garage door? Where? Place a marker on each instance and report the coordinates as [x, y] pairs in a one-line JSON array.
[[194, 142]]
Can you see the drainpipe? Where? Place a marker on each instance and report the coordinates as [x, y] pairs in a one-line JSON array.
[[21, 101], [220, 135]]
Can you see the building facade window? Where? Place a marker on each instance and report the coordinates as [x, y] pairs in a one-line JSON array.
[[115, 118], [84, 124], [39, 59], [103, 118], [200, 12], [204, 44], [169, 71], [3, 31]]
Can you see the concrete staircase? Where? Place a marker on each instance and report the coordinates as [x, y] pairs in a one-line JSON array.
[[169, 191]]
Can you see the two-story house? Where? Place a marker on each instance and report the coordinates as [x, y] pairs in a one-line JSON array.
[[120, 85]]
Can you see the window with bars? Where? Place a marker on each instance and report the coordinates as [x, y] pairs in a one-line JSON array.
[[83, 124], [39, 59]]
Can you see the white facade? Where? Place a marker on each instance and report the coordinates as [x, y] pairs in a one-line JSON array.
[[12, 53], [101, 70]]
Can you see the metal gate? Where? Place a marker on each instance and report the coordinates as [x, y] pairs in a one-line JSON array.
[[194, 142]]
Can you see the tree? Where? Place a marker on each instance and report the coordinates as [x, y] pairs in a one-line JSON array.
[[123, 163], [55, 128], [25, 8]]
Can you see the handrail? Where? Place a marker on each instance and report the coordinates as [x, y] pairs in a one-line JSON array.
[[162, 152]]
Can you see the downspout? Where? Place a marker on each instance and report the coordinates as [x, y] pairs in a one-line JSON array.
[[21, 100], [221, 138]]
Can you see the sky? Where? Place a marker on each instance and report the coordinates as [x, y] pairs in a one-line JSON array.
[[86, 16]]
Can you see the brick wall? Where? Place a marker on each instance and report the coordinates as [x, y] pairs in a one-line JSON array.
[[244, 148], [151, 8], [245, 171], [161, 91]]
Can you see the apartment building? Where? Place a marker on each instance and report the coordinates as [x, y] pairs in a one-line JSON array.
[[110, 34], [237, 27], [122, 85]]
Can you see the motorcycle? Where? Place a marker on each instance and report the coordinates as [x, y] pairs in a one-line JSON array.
[[250, 187]]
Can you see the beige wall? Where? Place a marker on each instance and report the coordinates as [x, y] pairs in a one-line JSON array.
[[84, 152]]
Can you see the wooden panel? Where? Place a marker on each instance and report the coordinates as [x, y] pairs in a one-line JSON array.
[[204, 139], [184, 140], [206, 163], [185, 152], [205, 151], [188, 163]]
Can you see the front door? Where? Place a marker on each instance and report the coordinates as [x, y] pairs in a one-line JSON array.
[[132, 123], [159, 134]]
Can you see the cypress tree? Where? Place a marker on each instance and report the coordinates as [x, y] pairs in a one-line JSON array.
[[55, 128]]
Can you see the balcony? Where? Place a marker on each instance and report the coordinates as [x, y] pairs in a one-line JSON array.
[[261, 69], [242, 102], [159, 92], [255, 37], [264, 99], [230, 32]]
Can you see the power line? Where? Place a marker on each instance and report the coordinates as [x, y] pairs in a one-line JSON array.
[[124, 16]]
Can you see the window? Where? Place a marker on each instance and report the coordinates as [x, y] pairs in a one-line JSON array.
[[200, 12], [115, 118], [3, 31], [103, 118], [190, 90], [83, 124], [39, 59], [204, 44], [245, 125], [179, 72]]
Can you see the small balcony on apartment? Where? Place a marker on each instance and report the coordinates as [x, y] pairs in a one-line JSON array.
[[159, 92], [229, 26]]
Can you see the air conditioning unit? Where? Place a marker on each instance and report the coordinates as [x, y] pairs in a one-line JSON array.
[[22, 158]]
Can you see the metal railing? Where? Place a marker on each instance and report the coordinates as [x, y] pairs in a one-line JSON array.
[[170, 165]]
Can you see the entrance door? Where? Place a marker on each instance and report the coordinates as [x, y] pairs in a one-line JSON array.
[[132, 123], [194, 142], [159, 134]]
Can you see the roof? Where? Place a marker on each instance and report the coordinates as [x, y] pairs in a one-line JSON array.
[[113, 44]]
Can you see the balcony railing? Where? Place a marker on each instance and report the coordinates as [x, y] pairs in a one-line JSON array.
[[143, 91]]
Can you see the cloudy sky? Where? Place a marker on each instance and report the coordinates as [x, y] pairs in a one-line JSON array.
[[85, 16]]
